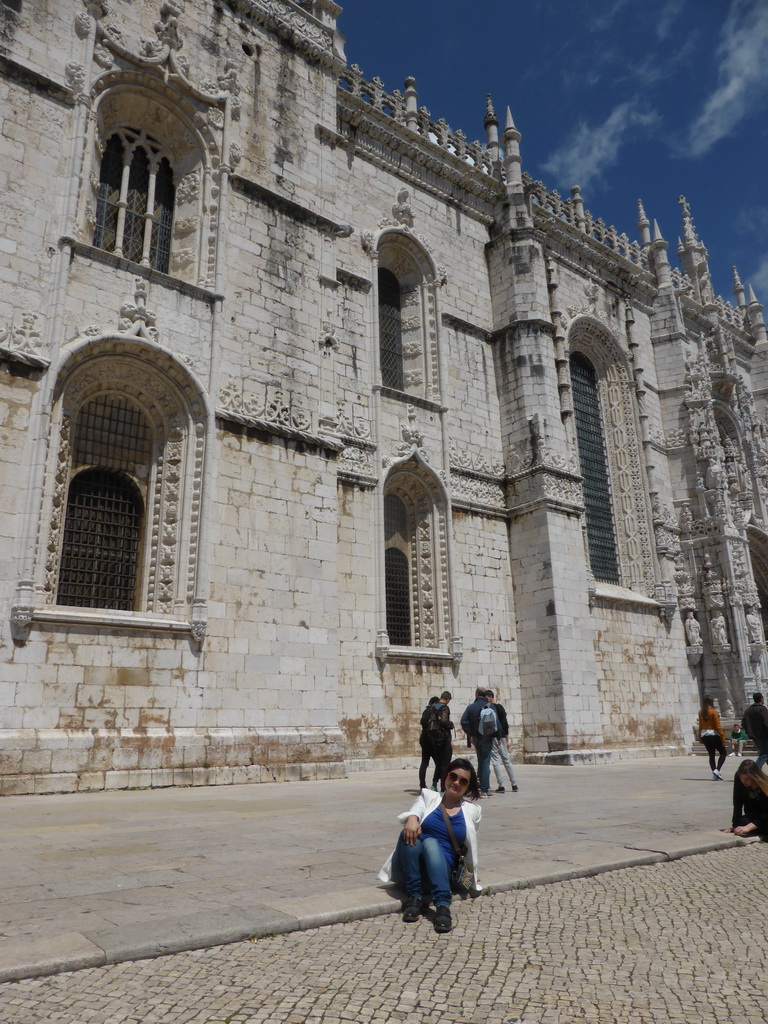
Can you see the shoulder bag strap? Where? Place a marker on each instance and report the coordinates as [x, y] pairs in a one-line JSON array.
[[449, 826]]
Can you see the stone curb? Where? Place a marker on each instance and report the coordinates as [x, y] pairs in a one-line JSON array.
[[75, 951]]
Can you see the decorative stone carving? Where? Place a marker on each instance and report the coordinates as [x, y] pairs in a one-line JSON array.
[[265, 404], [402, 212], [719, 631], [135, 318], [23, 343], [75, 74], [692, 630]]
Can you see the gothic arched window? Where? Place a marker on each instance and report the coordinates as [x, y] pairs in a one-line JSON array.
[[390, 330], [104, 518], [601, 536], [134, 207]]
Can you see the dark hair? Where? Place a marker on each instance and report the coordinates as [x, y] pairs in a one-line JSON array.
[[489, 693], [480, 692], [473, 789], [707, 702], [757, 697], [433, 700], [446, 695]]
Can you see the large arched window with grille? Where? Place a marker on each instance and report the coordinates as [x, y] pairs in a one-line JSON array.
[[111, 458], [100, 551], [135, 201], [397, 582], [601, 535]]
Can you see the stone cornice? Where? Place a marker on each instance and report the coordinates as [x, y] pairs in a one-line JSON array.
[[253, 190], [393, 147], [465, 327], [226, 416], [290, 22], [28, 76]]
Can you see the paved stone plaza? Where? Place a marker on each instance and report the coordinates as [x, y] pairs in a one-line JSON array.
[[660, 943]]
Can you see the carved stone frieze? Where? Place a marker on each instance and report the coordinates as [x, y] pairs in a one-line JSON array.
[[288, 21], [477, 490], [23, 343], [476, 462], [544, 484]]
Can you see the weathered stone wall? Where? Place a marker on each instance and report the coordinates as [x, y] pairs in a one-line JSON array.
[[256, 359]]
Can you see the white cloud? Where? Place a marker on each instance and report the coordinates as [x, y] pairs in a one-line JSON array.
[[742, 78], [759, 281], [590, 151], [667, 17]]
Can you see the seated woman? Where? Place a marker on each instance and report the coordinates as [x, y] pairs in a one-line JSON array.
[[424, 857], [750, 802]]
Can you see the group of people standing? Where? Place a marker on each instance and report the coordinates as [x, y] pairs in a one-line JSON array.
[[486, 728]]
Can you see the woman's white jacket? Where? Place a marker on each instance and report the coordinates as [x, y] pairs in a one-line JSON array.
[[425, 804]]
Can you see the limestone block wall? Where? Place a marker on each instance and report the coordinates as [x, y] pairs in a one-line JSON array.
[[646, 693]]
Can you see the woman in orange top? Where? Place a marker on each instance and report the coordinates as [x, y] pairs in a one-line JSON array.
[[712, 736]]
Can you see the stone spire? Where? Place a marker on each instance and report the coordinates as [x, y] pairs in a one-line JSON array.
[[738, 289], [411, 104], [512, 160], [643, 224], [491, 125], [756, 321], [694, 258], [658, 248]]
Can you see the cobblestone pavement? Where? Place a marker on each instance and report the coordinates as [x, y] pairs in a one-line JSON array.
[[669, 942]]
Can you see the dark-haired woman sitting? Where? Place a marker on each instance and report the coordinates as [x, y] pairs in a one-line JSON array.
[[750, 802], [424, 857]]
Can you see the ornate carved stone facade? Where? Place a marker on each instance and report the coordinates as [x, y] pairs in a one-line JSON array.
[[219, 234]]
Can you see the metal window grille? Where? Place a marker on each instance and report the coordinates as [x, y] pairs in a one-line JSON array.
[[136, 208], [109, 431], [99, 558], [397, 583], [141, 234], [390, 331], [110, 183], [165, 195], [601, 538]]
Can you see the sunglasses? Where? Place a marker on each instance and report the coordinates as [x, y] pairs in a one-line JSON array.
[[453, 777]]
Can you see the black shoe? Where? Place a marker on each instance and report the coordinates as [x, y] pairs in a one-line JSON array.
[[501, 790], [412, 909], [514, 789], [443, 921]]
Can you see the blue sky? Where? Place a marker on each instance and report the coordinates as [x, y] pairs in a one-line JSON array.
[[630, 99]]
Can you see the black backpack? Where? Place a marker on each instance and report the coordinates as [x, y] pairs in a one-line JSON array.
[[431, 722]]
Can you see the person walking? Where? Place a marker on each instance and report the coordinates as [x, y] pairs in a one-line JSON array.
[[499, 750], [435, 739], [712, 736], [755, 724], [426, 747], [481, 725]]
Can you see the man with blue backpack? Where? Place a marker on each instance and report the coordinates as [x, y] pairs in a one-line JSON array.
[[481, 726]]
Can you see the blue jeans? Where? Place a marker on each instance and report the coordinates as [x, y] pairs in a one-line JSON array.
[[762, 754], [484, 748], [423, 868]]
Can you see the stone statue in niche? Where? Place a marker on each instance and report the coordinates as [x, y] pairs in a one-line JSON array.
[[719, 630], [754, 626], [692, 630]]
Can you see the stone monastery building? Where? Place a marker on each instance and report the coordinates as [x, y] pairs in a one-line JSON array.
[[310, 409]]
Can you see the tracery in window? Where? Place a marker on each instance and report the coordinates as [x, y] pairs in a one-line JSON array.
[[134, 208]]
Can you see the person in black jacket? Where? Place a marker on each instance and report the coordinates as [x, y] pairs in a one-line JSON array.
[[755, 724], [750, 802], [435, 739]]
